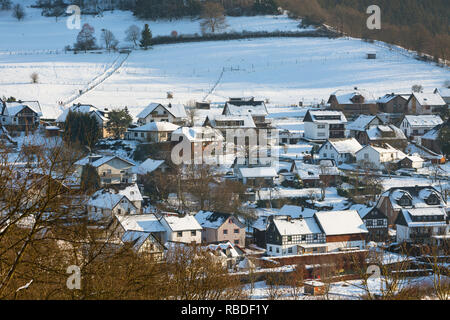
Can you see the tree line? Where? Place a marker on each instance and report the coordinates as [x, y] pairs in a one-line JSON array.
[[422, 26]]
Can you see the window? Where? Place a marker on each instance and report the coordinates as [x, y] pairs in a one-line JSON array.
[[270, 248], [236, 230], [179, 234], [193, 233], [225, 231], [278, 250], [324, 155], [320, 126], [119, 211], [366, 156], [380, 222], [315, 237], [290, 250], [321, 134], [236, 241], [289, 238]]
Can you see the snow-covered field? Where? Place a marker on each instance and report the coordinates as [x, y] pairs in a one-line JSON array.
[[283, 70], [38, 33]]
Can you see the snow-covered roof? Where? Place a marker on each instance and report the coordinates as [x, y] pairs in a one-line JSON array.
[[443, 92], [290, 227], [341, 222], [82, 108], [140, 222], [387, 148], [418, 195], [362, 209], [197, 134], [344, 97], [326, 116], [177, 110], [423, 120], [258, 172], [361, 123], [13, 108], [296, 211], [245, 106], [105, 200], [410, 214], [147, 166], [156, 126], [98, 160], [345, 145], [208, 219], [247, 120], [376, 132], [433, 134], [178, 223], [223, 247], [308, 171], [429, 99], [414, 158]]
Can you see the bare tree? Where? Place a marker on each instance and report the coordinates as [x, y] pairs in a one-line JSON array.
[[213, 17], [132, 34], [34, 77], [417, 88], [109, 39], [18, 12]]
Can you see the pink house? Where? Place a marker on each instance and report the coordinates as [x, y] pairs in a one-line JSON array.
[[221, 227]]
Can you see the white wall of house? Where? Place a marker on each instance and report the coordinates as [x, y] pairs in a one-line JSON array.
[[317, 131], [283, 250], [159, 114], [402, 233], [369, 154]]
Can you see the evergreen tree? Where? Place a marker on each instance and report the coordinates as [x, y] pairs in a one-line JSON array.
[[81, 129], [90, 180], [146, 37], [118, 122]]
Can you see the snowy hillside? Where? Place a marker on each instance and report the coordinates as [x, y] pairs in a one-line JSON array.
[[38, 33], [283, 70]]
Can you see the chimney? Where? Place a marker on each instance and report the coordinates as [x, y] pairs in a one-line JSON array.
[[169, 105], [356, 88], [288, 218]]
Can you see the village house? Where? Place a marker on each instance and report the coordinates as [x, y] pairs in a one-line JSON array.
[[425, 103], [229, 254], [143, 232], [314, 175], [257, 176], [181, 229], [294, 236], [431, 140], [344, 230], [289, 136], [152, 132], [361, 124], [417, 126], [354, 102], [232, 122], [197, 139], [20, 116], [382, 134], [111, 169], [411, 162], [149, 166], [378, 157], [321, 125], [376, 223], [340, 150], [421, 225], [157, 112], [131, 191], [221, 227], [393, 103], [248, 106], [444, 93], [101, 116], [105, 205], [393, 200], [426, 154]]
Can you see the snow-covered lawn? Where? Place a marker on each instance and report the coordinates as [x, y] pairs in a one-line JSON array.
[[283, 70]]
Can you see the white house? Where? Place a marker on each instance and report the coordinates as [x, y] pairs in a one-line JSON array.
[[379, 156], [21, 116], [156, 112], [152, 132], [111, 169], [444, 93], [416, 126], [362, 123], [341, 150], [324, 124], [184, 229], [104, 204], [257, 175], [419, 225], [344, 230], [425, 103]]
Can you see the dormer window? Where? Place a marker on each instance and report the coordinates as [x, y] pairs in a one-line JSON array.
[[404, 201], [432, 199]]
